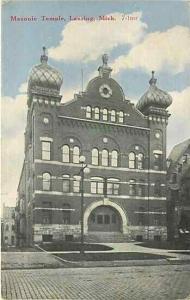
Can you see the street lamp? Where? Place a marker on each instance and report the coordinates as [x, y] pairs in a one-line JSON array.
[[83, 170]]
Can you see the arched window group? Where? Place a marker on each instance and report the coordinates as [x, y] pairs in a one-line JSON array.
[[136, 161], [104, 114], [70, 155], [104, 158]]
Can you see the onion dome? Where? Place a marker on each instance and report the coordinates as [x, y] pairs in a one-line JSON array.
[[44, 79], [154, 97]]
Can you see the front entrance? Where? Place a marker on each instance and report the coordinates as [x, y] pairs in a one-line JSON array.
[[104, 218]]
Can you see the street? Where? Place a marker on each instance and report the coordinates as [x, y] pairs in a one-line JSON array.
[[117, 283]]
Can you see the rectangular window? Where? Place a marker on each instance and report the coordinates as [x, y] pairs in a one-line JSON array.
[[112, 188], [47, 213], [106, 219], [66, 185], [157, 161], [100, 219], [46, 150], [97, 187], [76, 186]]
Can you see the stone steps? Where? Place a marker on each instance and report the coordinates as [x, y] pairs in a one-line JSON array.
[[107, 237]]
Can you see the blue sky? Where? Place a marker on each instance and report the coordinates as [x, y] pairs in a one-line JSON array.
[[159, 40]]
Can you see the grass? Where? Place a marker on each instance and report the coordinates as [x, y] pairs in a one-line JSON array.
[[109, 256], [73, 246], [175, 245]]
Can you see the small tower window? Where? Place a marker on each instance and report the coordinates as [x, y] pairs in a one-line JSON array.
[[95, 157], [105, 157], [97, 113], [105, 114], [88, 112], [132, 160], [65, 153], [76, 154], [114, 158], [46, 182], [121, 117], [113, 115], [46, 150]]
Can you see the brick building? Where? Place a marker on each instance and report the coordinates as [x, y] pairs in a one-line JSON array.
[[125, 150], [178, 195]]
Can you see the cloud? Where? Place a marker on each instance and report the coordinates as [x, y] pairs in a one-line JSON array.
[[68, 94], [86, 41], [168, 50], [12, 149], [23, 87], [179, 125]]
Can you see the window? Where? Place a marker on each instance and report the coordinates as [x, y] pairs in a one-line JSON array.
[[88, 112], [65, 153], [7, 227], [132, 187], [76, 184], [157, 189], [100, 219], [46, 150], [97, 113], [121, 117], [95, 157], [141, 189], [114, 158], [76, 154], [132, 160], [106, 219], [105, 157], [157, 219], [140, 161], [112, 186], [141, 216], [113, 115], [47, 213], [46, 182], [66, 214], [105, 114], [97, 185], [157, 161], [66, 183]]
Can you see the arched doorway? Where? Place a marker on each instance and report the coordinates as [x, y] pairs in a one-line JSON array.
[[104, 218], [121, 219]]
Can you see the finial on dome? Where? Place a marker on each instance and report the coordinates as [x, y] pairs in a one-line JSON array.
[[105, 59], [153, 80], [44, 57]]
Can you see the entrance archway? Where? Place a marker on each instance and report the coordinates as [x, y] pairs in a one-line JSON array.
[[120, 214]]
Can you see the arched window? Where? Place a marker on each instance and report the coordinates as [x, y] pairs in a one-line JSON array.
[[132, 187], [88, 112], [140, 164], [66, 183], [105, 157], [76, 183], [157, 161], [157, 189], [76, 154], [97, 185], [97, 113], [95, 157], [121, 117], [105, 114], [113, 115], [66, 213], [65, 153], [114, 158], [112, 186], [132, 160], [46, 182]]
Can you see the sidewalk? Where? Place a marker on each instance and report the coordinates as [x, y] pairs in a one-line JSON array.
[[34, 260]]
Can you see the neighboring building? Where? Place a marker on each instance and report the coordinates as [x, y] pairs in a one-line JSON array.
[[125, 150], [8, 226], [178, 178]]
